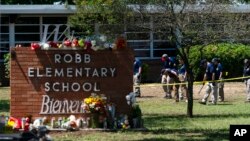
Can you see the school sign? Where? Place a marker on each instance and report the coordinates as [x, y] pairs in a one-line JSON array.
[[55, 82]]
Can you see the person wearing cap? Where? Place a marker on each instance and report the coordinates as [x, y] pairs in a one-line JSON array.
[[246, 73], [168, 62], [183, 77], [137, 69], [165, 79], [210, 76], [173, 74]]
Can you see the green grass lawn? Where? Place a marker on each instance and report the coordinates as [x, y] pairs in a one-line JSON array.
[[4, 100], [167, 120]]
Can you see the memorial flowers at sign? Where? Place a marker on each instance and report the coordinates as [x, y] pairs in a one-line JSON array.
[[89, 43], [95, 104]]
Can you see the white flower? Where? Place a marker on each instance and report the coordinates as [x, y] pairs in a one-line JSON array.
[[45, 46], [103, 38], [92, 105]]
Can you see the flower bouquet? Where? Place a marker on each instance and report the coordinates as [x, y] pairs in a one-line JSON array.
[[96, 106]]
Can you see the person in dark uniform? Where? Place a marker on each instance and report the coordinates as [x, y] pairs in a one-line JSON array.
[[246, 73], [168, 63], [183, 78], [137, 76], [210, 75], [173, 74]]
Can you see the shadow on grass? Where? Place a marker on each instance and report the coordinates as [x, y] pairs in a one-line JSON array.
[[178, 124], [156, 139], [4, 105], [183, 117], [196, 135], [186, 134]]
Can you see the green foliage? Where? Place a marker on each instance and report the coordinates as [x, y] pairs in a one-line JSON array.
[[7, 64], [34, 1], [231, 56], [244, 1], [94, 12]]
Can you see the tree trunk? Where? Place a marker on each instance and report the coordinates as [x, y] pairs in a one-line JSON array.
[[190, 94]]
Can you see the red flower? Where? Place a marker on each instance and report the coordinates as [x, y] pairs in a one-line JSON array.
[[121, 42]]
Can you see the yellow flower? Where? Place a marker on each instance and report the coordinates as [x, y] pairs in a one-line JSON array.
[[123, 126], [87, 100], [91, 101]]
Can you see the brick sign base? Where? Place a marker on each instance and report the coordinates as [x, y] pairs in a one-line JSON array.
[[55, 82]]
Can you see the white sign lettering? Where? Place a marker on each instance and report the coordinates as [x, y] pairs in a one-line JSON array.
[[69, 58], [71, 72], [75, 87], [53, 106], [31, 72]]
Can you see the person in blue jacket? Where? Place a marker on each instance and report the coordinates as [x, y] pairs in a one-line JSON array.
[[210, 76], [168, 63]]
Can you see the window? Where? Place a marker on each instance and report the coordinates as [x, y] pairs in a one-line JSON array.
[[4, 37], [150, 39], [55, 20], [4, 20], [27, 20], [139, 44], [29, 29]]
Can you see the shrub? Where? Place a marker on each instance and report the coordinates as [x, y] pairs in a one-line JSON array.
[[231, 56], [7, 65]]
